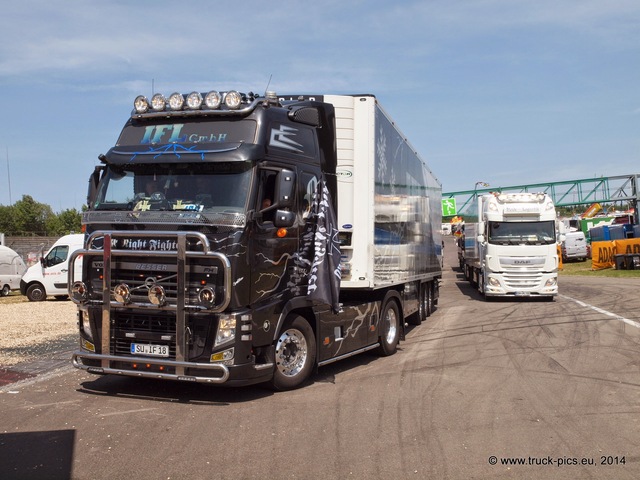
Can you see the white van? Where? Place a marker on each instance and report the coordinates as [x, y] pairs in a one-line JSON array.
[[574, 247], [50, 275], [12, 268]]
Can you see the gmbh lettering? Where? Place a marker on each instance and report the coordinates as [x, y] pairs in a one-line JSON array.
[[172, 133]]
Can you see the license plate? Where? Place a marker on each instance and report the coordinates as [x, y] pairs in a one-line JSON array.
[[522, 294], [149, 350]]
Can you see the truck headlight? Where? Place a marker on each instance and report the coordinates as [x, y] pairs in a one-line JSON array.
[[79, 291], [212, 100], [207, 297], [551, 282], [176, 100], [122, 293], [232, 100], [226, 329], [158, 102], [194, 100], [141, 104], [157, 295], [84, 324]]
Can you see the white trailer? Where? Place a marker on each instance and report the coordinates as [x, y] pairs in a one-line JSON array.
[[12, 268], [511, 250]]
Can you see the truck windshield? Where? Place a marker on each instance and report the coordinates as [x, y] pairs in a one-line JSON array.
[[519, 233], [212, 187]]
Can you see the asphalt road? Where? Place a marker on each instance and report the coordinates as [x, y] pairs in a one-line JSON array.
[[503, 389]]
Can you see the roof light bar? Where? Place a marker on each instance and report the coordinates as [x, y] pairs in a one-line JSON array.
[[230, 102]]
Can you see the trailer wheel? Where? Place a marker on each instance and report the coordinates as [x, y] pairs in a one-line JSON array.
[[389, 328], [295, 354], [431, 303], [421, 315], [36, 293], [5, 291]]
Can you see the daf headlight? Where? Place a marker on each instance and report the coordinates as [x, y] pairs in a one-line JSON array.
[[194, 101], [158, 102], [141, 104], [176, 100], [122, 293], [233, 100], [226, 329], [212, 100]]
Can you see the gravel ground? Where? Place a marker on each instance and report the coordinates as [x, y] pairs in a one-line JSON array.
[[31, 330]]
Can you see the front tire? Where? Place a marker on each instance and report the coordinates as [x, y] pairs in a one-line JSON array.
[[36, 293], [6, 290], [295, 354], [389, 328]]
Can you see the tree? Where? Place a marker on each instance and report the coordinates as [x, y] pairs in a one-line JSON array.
[[65, 222], [31, 217]]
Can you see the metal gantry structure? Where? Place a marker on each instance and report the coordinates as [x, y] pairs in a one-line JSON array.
[[620, 188]]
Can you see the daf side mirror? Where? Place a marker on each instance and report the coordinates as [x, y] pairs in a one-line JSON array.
[[285, 188], [480, 238]]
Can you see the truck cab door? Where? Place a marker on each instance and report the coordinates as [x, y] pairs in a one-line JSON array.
[[275, 234]]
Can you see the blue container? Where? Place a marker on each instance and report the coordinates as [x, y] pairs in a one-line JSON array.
[[616, 232]]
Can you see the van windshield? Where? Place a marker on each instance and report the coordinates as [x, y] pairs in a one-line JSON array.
[[522, 233], [220, 187]]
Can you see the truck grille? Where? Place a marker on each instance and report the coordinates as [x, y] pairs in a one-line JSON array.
[[522, 279]]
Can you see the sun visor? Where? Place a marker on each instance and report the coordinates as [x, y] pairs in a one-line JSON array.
[[180, 153]]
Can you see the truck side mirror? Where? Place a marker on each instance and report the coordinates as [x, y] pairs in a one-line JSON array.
[[284, 188], [284, 219], [480, 238], [94, 179]]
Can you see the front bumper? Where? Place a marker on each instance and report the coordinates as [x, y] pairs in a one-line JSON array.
[[161, 368]]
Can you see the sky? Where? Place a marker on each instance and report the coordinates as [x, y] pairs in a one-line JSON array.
[[505, 92]]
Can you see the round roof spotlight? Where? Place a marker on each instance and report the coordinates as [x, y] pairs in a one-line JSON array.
[[207, 297], [158, 102], [194, 101], [176, 101], [233, 100], [157, 295], [212, 100], [122, 293], [141, 104]]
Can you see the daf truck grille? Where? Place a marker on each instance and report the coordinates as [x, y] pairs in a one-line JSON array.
[[522, 279]]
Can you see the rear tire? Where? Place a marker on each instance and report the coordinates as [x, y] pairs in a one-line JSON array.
[[295, 354], [6, 290], [421, 315], [389, 328]]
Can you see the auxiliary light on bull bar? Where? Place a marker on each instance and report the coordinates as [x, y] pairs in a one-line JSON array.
[[122, 293]]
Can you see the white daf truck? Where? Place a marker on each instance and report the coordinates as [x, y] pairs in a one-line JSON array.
[[510, 246]]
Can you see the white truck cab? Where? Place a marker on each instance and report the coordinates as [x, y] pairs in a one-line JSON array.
[[50, 275]]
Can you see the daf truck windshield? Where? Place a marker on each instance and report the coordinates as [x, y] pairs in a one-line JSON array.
[[522, 233], [211, 188]]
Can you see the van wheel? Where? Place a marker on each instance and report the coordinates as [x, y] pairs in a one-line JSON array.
[[295, 354], [389, 328], [6, 290], [36, 293]]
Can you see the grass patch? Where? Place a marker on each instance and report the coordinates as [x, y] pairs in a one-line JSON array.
[[584, 268]]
